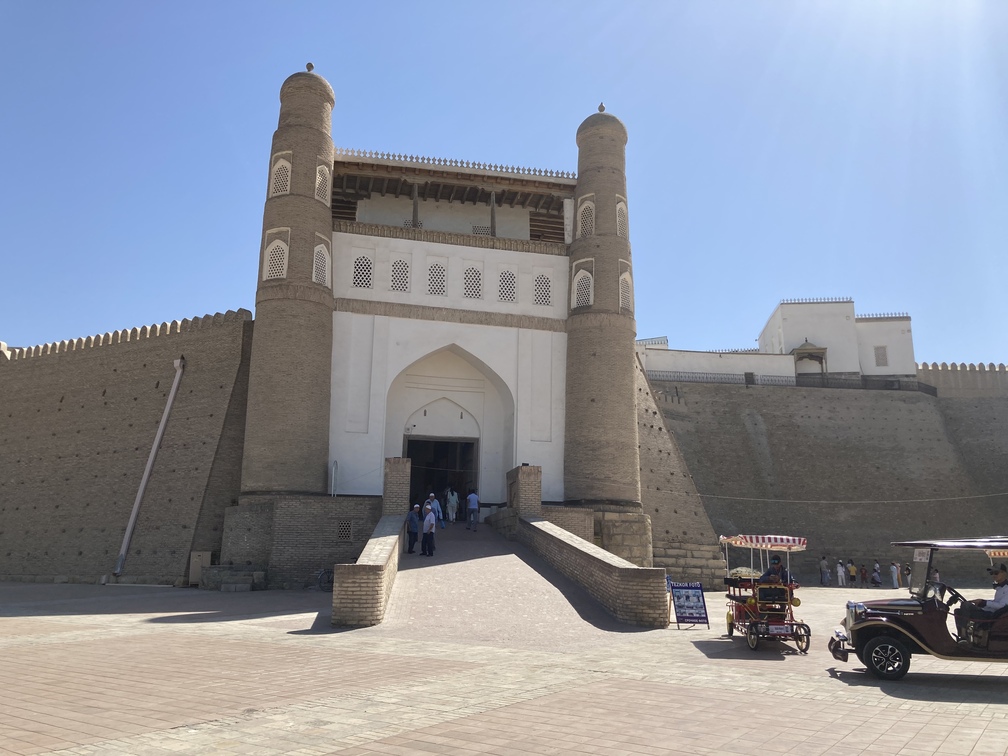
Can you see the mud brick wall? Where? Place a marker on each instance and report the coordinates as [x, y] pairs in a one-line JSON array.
[[851, 470], [627, 535], [579, 522], [683, 540], [361, 591], [305, 532], [248, 534], [635, 595], [77, 424]]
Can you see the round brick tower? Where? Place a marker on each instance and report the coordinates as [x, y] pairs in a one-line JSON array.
[[601, 459], [287, 420]]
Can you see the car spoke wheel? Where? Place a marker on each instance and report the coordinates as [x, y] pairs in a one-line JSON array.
[[886, 657], [730, 620], [802, 638], [752, 635]]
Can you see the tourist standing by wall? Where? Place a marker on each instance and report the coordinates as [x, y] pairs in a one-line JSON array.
[[472, 509], [427, 540], [413, 528]]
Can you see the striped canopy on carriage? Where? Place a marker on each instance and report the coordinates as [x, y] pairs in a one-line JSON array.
[[765, 542]]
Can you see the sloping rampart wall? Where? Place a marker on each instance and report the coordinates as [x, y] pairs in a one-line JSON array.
[[906, 465], [77, 424], [683, 540]]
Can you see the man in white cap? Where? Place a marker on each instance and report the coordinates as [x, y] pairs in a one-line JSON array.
[[984, 609], [435, 506], [427, 541]]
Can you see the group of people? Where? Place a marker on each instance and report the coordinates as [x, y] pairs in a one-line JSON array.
[[422, 523], [848, 574]]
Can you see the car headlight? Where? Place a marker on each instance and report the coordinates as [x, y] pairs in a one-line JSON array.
[[855, 611]]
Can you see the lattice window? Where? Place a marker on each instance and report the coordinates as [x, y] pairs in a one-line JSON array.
[[400, 275], [625, 293], [280, 178], [584, 293], [541, 290], [507, 291], [436, 278], [586, 219], [481, 230], [622, 225], [362, 272], [408, 223], [275, 261], [323, 191], [881, 356], [344, 530], [320, 271], [473, 284]]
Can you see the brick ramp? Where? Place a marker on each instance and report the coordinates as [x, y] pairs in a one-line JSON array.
[[479, 588]]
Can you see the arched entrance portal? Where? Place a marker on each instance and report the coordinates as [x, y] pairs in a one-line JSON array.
[[442, 440], [454, 418]]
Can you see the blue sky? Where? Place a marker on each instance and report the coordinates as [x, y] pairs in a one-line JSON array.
[[777, 149]]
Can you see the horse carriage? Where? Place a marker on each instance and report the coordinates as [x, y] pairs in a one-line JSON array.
[[761, 603]]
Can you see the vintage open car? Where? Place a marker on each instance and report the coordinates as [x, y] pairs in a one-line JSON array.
[[885, 634], [763, 609]]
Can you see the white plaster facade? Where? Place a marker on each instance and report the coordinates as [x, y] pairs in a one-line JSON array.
[[658, 358], [827, 324], [492, 263], [873, 345], [888, 340], [395, 376]]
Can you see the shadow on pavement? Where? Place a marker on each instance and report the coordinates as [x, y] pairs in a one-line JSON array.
[[173, 605], [728, 648], [929, 686]]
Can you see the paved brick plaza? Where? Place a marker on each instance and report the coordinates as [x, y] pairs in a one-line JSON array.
[[485, 650]]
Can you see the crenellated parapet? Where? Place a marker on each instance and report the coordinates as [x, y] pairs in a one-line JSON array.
[[980, 367], [386, 158], [124, 336], [964, 380]]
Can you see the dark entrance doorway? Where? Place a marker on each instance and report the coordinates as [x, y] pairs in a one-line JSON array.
[[438, 463]]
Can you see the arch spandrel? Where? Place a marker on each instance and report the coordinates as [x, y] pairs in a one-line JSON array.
[[447, 380]]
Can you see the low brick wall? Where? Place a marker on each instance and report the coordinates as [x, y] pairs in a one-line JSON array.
[[580, 522], [361, 591], [635, 595], [293, 536]]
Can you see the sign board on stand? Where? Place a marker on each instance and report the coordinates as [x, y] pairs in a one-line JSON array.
[[687, 600]]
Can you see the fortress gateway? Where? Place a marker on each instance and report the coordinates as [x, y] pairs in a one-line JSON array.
[[422, 323]]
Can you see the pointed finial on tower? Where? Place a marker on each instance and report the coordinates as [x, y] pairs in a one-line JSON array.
[[601, 107], [310, 67]]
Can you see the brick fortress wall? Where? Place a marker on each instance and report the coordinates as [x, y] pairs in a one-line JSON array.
[[903, 459], [292, 536], [77, 426], [683, 540]]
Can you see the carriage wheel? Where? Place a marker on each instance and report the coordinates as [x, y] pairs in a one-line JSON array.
[[752, 635], [730, 620], [802, 638]]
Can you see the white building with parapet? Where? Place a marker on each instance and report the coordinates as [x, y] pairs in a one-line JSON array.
[[804, 342]]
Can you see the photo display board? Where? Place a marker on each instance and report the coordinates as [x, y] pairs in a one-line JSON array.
[[687, 600]]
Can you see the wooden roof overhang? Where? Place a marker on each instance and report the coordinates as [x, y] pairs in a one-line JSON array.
[[354, 180]]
